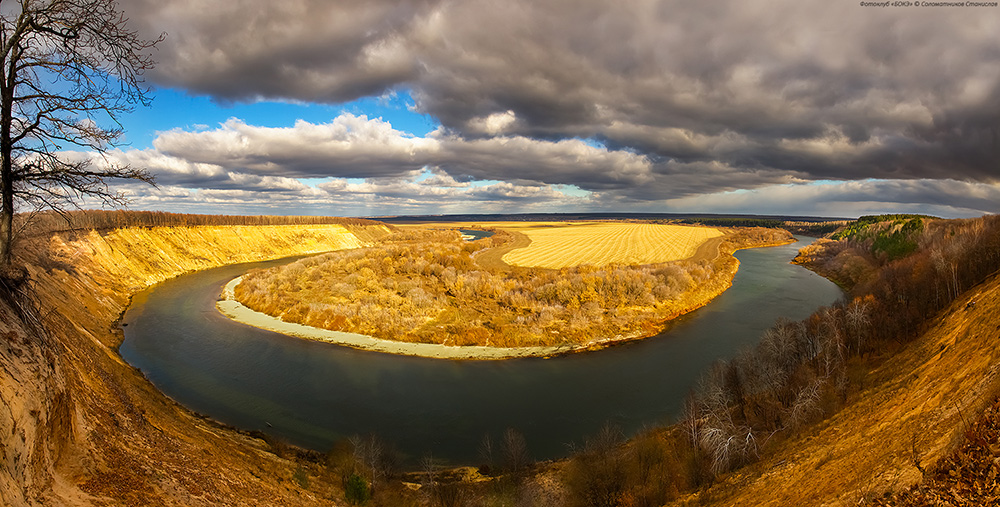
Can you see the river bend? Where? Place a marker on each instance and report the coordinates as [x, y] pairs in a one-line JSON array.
[[313, 393]]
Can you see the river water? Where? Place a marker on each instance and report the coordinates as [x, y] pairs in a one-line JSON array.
[[313, 393]]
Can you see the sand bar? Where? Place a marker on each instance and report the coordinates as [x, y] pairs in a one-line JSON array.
[[236, 311]]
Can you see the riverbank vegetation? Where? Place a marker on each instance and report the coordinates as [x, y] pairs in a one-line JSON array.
[[804, 371], [800, 373], [138, 447], [426, 286], [734, 222]]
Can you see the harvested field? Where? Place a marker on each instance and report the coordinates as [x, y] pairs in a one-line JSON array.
[[492, 258], [601, 244]]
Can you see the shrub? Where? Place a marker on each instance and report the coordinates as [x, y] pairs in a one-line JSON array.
[[356, 490]]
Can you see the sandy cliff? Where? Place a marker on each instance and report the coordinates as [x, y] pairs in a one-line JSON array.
[[78, 426]]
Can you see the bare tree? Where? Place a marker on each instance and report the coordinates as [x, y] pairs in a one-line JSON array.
[[858, 321], [598, 477], [515, 452], [68, 66], [378, 460]]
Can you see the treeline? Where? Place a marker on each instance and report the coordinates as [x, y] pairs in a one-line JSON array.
[[46, 222], [606, 470], [892, 236], [799, 371], [734, 222], [815, 228]]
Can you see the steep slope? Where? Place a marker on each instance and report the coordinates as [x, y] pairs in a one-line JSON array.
[[912, 412], [78, 426]]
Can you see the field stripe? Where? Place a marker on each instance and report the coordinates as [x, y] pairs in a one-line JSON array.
[[606, 243]]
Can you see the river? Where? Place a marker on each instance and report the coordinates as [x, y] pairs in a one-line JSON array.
[[312, 393]]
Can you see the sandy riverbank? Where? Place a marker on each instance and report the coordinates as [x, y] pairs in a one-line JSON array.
[[236, 311]]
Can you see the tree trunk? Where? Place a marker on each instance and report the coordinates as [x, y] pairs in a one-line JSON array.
[[6, 156], [6, 183], [6, 215]]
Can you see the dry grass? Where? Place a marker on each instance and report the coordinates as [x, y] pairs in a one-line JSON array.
[[601, 244]]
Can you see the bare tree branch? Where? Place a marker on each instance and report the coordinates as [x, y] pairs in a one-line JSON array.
[[67, 66]]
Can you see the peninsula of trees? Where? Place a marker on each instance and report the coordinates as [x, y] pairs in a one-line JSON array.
[[426, 286]]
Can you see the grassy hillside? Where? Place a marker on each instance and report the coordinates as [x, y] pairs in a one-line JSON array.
[[913, 407], [886, 236], [888, 376]]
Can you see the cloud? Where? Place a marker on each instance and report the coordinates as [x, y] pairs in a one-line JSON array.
[[349, 147], [344, 197], [357, 165], [771, 91], [353, 146], [946, 198], [308, 50], [365, 165]]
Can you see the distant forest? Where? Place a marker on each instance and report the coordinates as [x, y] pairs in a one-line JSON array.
[[45, 222]]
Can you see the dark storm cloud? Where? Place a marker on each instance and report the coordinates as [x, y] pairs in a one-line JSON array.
[[761, 92], [309, 50], [946, 198]]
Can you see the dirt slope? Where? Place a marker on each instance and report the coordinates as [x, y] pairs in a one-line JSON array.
[[966, 478], [913, 412], [78, 426]]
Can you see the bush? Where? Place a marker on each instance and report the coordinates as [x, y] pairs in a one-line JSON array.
[[356, 490]]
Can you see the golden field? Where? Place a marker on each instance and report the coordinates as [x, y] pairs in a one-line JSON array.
[[604, 243]]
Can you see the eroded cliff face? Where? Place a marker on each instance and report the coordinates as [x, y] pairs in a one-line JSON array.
[[79, 426], [33, 412]]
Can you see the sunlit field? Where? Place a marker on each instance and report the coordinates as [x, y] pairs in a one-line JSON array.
[[601, 244]]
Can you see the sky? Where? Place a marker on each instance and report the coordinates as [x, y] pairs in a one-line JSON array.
[[374, 107]]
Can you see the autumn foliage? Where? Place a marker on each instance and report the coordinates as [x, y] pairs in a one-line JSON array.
[[802, 371], [425, 286]]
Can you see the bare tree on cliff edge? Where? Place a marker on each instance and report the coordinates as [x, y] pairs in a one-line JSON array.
[[68, 66]]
